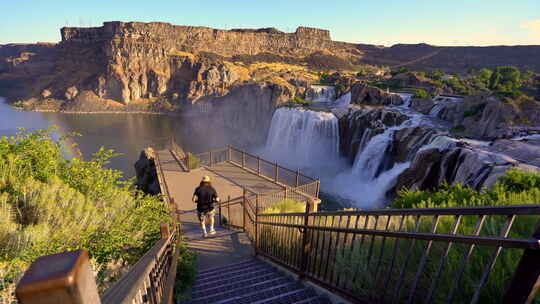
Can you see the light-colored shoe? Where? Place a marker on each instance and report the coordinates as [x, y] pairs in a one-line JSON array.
[[204, 235], [212, 232]]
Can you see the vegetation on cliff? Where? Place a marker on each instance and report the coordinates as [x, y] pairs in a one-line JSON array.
[[51, 203]]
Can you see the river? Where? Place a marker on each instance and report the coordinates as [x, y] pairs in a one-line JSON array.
[[127, 134]]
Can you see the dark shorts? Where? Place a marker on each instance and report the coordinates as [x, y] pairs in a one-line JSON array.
[[206, 214]]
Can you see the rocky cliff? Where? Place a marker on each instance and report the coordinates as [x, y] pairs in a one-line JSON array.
[[134, 66]]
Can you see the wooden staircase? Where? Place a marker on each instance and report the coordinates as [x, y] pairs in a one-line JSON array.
[[251, 281]]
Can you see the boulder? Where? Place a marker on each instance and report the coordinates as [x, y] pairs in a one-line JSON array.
[[71, 93], [145, 169], [364, 94]]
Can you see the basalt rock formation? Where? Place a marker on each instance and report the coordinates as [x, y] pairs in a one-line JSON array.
[[362, 93], [134, 66]]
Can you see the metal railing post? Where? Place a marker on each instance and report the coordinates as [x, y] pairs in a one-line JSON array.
[[305, 244], [297, 177], [243, 159], [229, 153], [59, 278], [219, 210], [276, 173], [526, 280], [244, 209], [318, 188], [256, 224], [258, 165]]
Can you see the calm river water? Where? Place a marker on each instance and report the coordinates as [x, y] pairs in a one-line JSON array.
[[125, 133]]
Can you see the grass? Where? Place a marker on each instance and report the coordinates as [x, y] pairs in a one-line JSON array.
[[50, 203], [286, 206]]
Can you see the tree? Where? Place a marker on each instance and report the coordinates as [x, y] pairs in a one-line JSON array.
[[507, 78]]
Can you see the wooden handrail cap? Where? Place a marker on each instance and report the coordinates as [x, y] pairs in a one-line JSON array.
[[57, 278]]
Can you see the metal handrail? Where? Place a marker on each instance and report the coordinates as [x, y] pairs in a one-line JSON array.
[[133, 285]]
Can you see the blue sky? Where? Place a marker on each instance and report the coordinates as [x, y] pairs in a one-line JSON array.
[[456, 22]]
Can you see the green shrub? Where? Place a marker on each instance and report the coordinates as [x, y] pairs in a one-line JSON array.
[[286, 206], [186, 273], [50, 203], [299, 100], [193, 162]]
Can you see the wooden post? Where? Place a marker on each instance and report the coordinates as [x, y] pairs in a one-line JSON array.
[[59, 278], [276, 173], [526, 278], [318, 188], [165, 233], [297, 177], [258, 165]]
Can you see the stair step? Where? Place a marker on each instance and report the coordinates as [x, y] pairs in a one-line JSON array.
[[289, 297], [243, 276], [241, 291], [315, 300], [228, 284], [231, 274], [267, 293], [229, 267]]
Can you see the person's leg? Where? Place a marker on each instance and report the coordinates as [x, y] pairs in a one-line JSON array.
[[211, 216], [202, 218]]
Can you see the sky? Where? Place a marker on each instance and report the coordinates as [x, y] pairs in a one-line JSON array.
[[383, 22]]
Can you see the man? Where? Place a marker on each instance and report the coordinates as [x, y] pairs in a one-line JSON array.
[[205, 195]]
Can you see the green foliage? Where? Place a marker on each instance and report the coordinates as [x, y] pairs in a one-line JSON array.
[[186, 273], [436, 75], [324, 78], [286, 206], [421, 93], [399, 71], [516, 187], [299, 100], [193, 162], [505, 79], [50, 203]]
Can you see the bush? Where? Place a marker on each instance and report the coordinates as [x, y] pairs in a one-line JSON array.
[[421, 93], [301, 101], [286, 206], [50, 203], [193, 161]]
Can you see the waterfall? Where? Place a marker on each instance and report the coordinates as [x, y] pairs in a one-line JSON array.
[[407, 98], [436, 110], [303, 138], [321, 93], [343, 101]]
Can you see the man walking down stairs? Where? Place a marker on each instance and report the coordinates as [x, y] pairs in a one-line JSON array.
[[251, 281]]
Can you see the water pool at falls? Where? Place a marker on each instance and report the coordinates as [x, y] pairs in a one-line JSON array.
[[301, 138]]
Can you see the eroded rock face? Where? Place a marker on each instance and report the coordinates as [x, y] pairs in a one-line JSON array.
[[359, 125], [364, 94]]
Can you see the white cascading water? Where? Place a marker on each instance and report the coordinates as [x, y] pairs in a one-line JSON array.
[[321, 93], [302, 138], [436, 110], [343, 101], [407, 98]]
